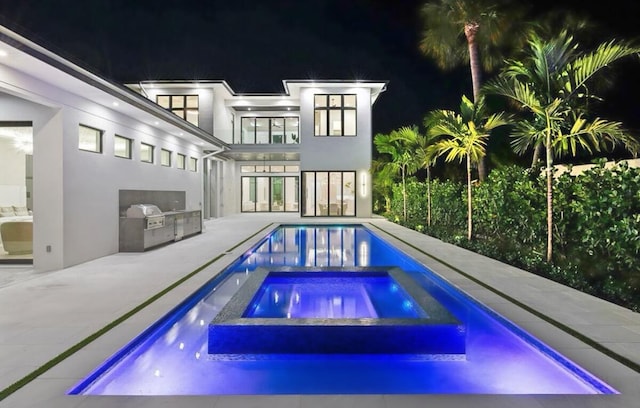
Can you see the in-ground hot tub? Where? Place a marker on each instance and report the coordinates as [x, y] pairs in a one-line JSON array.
[[322, 311]]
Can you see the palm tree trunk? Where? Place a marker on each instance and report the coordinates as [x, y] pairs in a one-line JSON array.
[[428, 196], [470, 31], [537, 150], [468, 198], [549, 154]]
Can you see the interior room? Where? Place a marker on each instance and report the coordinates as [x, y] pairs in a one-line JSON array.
[[16, 192]]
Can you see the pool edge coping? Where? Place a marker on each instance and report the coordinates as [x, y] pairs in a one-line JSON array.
[[395, 237], [25, 380], [559, 325]]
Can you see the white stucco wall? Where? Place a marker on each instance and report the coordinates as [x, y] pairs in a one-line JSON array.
[[76, 192], [92, 182], [223, 125], [229, 190], [339, 153]]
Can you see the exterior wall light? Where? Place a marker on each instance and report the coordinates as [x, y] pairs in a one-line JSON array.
[[363, 184]]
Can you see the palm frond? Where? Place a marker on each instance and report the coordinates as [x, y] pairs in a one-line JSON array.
[[585, 67]]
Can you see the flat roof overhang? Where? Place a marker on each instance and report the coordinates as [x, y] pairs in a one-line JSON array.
[[45, 66], [263, 152]]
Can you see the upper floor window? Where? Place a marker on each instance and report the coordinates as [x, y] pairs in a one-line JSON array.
[[146, 153], [335, 115], [185, 106], [269, 130], [122, 147], [269, 169], [165, 157], [90, 139], [181, 161], [193, 164]]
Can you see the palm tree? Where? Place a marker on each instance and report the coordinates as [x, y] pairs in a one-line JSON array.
[[471, 31], [546, 28], [425, 158], [382, 182], [465, 137], [552, 86], [401, 161]]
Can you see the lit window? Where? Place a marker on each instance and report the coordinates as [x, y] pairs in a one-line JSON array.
[[193, 164], [122, 147], [274, 130], [269, 169], [90, 139], [181, 161], [335, 115], [165, 157], [185, 106], [291, 130], [146, 153]]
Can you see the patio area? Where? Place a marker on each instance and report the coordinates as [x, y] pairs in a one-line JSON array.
[[44, 314]]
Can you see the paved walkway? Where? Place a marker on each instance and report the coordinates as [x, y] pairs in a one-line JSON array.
[[42, 314]]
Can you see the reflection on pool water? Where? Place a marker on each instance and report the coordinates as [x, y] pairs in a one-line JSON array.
[[171, 357], [333, 297]]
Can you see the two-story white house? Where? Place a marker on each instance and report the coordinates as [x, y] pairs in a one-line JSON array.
[[73, 144], [306, 150]]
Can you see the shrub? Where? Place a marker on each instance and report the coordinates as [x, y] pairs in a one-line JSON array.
[[596, 225]]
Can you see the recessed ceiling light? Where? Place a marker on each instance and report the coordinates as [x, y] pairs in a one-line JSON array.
[[248, 108], [156, 122], [181, 134], [289, 108], [116, 104], [3, 53]]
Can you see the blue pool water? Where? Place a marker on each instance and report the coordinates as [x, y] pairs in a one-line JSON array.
[[332, 297], [171, 357]]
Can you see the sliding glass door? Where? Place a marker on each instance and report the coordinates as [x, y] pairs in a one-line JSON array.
[[328, 193], [269, 194]]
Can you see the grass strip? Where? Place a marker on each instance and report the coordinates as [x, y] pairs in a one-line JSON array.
[[619, 358], [76, 347]]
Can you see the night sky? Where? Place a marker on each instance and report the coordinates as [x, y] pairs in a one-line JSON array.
[[254, 45]]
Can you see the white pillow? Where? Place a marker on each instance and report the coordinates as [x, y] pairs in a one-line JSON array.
[[20, 210], [7, 212]]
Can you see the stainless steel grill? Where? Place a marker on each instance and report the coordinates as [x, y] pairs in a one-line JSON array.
[[154, 218]]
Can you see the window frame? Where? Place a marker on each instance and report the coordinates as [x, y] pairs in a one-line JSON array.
[[181, 161], [310, 179], [328, 110], [128, 141], [253, 137], [162, 152], [194, 161], [151, 153], [251, 182], [100, 139], [174, 108]]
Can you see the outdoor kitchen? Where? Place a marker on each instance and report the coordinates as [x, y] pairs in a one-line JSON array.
[[150, 218]]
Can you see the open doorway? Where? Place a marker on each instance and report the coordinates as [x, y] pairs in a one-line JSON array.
[[16, 192]]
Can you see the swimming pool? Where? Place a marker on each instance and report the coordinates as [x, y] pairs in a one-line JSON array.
[[172, 356]]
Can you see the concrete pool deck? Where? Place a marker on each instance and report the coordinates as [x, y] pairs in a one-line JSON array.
[[43, 314]]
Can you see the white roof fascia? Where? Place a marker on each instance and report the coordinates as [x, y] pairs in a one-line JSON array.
[[124, 94]]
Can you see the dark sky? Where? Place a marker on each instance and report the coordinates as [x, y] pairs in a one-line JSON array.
[[254, 45]]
